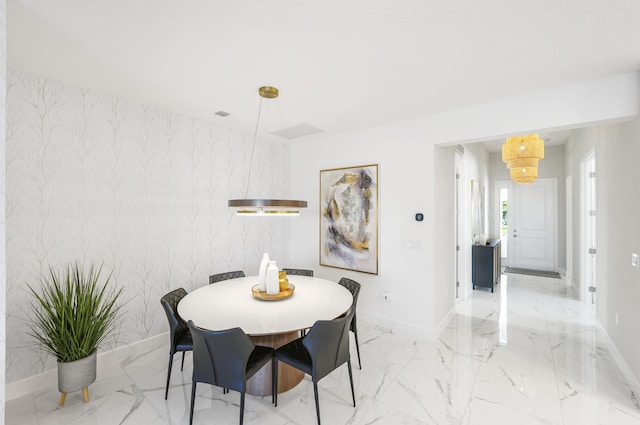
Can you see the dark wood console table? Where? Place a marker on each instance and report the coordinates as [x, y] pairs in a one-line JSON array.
[[486, 265]]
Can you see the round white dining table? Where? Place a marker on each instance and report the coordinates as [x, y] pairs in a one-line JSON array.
[[230, 303]]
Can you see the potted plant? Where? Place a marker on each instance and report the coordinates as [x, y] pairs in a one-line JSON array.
[[72, 315]]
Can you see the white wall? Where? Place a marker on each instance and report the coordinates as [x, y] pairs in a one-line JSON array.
[[577, 147], [584, 104], [94, 178], [552, 166], [617, 148], [406, 179], [618, 235], [476, 161], [3, 263], [444, 271]]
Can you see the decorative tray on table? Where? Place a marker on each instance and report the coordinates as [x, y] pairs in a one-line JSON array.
[[255, 290]]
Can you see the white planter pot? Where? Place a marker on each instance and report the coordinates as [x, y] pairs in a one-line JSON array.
[[77, 375]]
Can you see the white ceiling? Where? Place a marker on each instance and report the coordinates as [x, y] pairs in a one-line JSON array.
[[340, 65]]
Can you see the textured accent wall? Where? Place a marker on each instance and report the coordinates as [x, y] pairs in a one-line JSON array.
[[3, 269], [94, 178]]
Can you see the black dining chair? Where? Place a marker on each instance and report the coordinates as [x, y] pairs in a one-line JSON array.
[[179, 334], [298, 272], [226, 359], [225, 276], [320, 352], [354, 288]]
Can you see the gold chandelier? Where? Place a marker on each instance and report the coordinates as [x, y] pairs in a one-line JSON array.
[[521, 154], [265, 207]]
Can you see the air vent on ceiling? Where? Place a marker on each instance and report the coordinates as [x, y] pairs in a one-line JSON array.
[[222, 114], [296, 131]]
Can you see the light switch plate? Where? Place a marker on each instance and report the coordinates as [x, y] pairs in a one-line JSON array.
[[635, 261]]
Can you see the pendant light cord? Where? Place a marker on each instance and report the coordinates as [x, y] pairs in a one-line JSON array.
[[253, 149]]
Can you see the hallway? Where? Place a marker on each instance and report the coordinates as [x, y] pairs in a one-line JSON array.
[[527, 354]]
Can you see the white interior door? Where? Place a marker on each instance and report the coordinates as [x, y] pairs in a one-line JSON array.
[[533, 209]]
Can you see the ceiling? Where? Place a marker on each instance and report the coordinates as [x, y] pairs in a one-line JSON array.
[[340, 65]]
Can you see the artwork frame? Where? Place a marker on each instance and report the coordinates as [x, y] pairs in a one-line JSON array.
[[349, 218]]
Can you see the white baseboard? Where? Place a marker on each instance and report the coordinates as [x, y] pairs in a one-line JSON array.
[[107, 359], [445, 321], [621, 362], [399, 327]]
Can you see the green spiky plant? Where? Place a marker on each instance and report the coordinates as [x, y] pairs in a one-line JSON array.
[[74, 312]]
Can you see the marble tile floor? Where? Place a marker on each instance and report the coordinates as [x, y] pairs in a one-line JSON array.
[[527, 354]]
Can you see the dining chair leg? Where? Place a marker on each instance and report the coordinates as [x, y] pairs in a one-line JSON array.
[[241, 407], [355, 333], [353, 393], [166, 392], [193, 399], [315, 393], [274, 390], [275, 381], [182, 367]]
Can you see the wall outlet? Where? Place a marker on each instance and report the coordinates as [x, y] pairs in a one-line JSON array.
[[635, 261], [386, 297], [617, 320]]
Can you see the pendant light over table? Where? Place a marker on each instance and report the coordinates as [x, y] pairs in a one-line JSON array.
[[521, 154], [268, 207]]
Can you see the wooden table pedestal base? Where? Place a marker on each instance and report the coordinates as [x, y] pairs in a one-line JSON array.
[[288, 377]]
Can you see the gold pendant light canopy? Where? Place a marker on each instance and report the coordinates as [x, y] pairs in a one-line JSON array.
[[268, 92], [265, 207], [521, 154]]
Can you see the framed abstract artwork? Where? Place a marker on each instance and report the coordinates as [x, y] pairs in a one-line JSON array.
[[349, 218]]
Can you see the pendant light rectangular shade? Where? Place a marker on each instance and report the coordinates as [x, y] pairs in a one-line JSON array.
[[267, 203], [271, 207]]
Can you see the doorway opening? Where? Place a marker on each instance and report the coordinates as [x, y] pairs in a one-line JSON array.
[[504, 221]]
